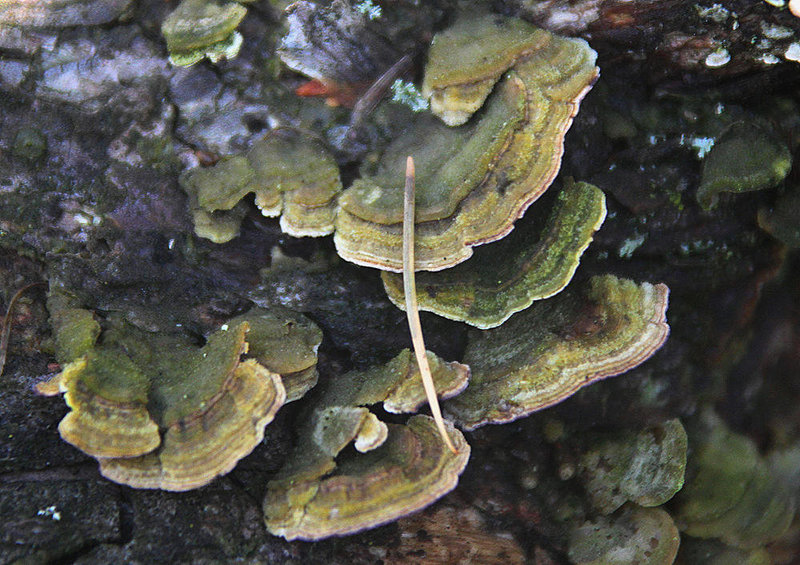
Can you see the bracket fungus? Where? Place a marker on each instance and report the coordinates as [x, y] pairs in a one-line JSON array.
[[477, 179], [645, 467], [201, 28], [633, 535], [468, 58], [745, 158], [508, 276], [395, 470], [546, 353], [731, 492], [157, 411], [286, 343], [291, 174]]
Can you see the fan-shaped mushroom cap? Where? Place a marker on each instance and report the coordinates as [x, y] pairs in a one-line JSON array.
[[291, 174], [203, 28], [397, 468], [397, 384], [473, 181], [633, 535], [646, 467], [468, 58], [746, 157], [509, 276], [412, 469], [298, 178], [108, 396], [285, 342], [546, 353], [209, 442]]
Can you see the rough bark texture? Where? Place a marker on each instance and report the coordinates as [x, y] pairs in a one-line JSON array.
[[95, 127]]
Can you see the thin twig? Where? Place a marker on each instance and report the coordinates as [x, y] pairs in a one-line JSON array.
[[6, 331], [410, 289], [367, 103]]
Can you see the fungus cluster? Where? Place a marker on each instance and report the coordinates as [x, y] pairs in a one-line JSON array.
[[303, 196], [156, 410], [474, 181], [732, 492], [504, 94], [396, 468]]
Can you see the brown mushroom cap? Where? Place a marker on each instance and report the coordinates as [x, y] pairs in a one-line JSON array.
[[473, 181], [546, 353]]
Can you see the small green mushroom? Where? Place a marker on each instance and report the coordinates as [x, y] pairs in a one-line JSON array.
[[203, 28], [645, 467], [291, 174], [468, 58], [286, 343]]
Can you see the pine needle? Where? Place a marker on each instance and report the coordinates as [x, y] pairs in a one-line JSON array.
[[410, 289]]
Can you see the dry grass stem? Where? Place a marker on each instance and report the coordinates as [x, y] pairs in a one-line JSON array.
[[410, 289]]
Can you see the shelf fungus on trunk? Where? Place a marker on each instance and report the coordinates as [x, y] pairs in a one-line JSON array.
[[203, 28], [732, 492], [291, 174], [507, 277], [468, 58], [476, 180], [285, 342], [746, 157], [631, 535], [546, 353], [394, 470], [158, 411]]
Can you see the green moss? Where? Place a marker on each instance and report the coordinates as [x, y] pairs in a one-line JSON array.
[[29, 144]]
